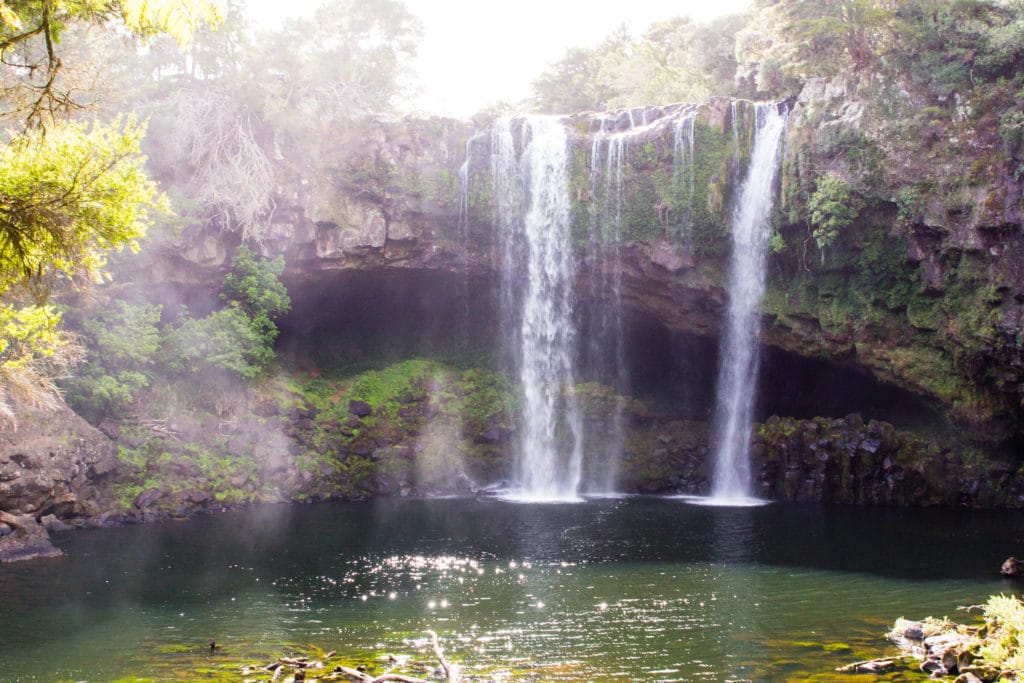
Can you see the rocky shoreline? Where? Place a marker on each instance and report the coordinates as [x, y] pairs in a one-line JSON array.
[[985, 652]]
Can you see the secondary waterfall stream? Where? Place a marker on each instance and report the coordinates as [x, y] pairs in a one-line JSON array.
[[605, 334], [529, 162], [738, 357]]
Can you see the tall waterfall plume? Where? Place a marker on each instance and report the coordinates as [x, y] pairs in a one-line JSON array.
[[529, 163], [739, 355]]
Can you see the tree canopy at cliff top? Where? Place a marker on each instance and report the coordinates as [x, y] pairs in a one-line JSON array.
[[943, 45]]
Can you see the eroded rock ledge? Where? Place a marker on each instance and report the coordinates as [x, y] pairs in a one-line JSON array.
[[54, 462]]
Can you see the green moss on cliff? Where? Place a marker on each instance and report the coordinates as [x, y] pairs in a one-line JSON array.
[[424, 423], [650, 196], [708, 229], [666, 457], [185, 475], [928, 326]]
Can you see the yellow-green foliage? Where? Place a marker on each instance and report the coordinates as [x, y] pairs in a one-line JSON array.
[[179, 18], [69, 197], [33, 350], [1003, 645], [30, 335], [994, 649], [66, 199]]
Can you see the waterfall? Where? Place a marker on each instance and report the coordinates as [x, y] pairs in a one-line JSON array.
[[734, 118], [529, 163], [474, 165], [738, 357]]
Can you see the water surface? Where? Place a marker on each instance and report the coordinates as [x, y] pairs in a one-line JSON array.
[[607, 590]]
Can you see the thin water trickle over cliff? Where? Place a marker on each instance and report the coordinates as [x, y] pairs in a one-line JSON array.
[[531, 181], [682, 159], [739, 355]]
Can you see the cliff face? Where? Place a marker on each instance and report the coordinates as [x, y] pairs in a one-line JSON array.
[[924, 289], [53, 466], [54, 462], [920, 287]]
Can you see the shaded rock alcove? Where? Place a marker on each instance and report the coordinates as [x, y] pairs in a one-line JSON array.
[[352, 317]]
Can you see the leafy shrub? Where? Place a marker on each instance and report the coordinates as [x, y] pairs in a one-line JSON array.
[[226, 340], [831, 207], [1003, 647], [910, 204], [254, 285], [123, 341], [240, 338]]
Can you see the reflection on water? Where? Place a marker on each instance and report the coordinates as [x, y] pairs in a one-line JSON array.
[[610, 589], [723, 501]]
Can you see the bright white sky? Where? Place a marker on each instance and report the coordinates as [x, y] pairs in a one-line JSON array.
[[476, 52]]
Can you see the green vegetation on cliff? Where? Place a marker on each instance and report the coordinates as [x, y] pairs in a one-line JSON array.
[[868, 302], [412, 427], [67, 197], [127, 347], [831, 208], [890, 240]]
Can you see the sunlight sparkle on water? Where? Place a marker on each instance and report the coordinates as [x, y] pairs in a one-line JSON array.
[[732, 593]]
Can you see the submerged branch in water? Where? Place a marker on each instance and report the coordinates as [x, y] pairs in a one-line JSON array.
[[296, 669], [450, 673], [361, 677], [870, 666]]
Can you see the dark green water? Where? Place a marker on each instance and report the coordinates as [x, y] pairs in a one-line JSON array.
[[608, 590]]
